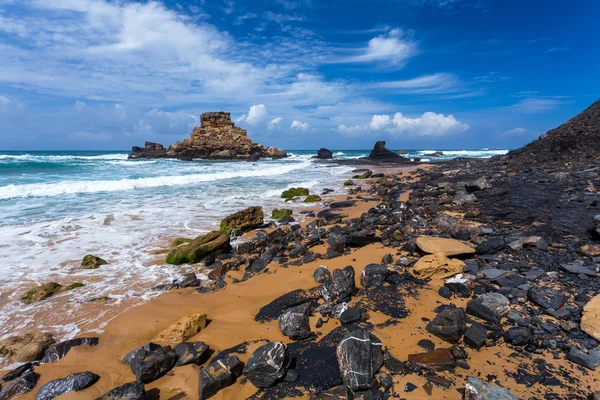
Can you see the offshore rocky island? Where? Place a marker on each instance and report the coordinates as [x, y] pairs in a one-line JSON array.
[[217, 138], [472, 279]]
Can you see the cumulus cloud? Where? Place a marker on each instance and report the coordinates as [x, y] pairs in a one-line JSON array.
[[274, 123], [393, 48], [428, 124], [300, 126], [513, 132], [256, 114]]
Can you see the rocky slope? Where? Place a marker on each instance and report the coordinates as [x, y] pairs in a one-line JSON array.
[[217, 138], [577, 140]]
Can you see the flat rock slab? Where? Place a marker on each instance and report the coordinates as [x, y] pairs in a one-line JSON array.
[[448, 247], [437, 265], [590, 321], [490, 307], [576, 268], [273, 310], [435, 360], [546, 297]]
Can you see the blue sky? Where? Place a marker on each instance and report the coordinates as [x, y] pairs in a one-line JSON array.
[[297, 74]]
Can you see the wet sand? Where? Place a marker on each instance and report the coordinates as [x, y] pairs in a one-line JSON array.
[[231, 314]]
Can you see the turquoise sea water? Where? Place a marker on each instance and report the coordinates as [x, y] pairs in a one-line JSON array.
[[56, 207]]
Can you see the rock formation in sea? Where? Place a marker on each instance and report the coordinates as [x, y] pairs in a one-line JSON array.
[[577, 140], [381, 153], [217, 138], [324, 154]]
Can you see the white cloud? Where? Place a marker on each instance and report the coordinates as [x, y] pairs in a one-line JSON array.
[[280, 18], [515, 131], [256, 114], [536, 105], [300, 126], [241, 18], [428, 124], [393, 48], [4, 100], [379, 122], [229, 7], [274, 123]]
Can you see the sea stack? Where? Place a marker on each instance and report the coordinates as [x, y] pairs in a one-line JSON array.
[[217, 138], [381, 153]]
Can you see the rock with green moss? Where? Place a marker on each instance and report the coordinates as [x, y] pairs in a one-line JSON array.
[[75, 285], [365, 174], [92, 262], [313, 198], [349, 182], [251, 217], [282, 213], [180, 241], [294, 192], [41, 292], [198, 249]]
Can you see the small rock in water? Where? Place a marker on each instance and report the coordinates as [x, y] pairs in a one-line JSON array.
[[92, 262], [73, 382], [267, 364], [191, 353], [129, 391], [218, 375]]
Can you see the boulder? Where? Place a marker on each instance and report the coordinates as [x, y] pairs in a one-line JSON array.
[[148, 366], [546, 297], [360, 356], [294, 322], [438, 266], [590, 321], [373, 276], [340, 286], [59, 350], [23, 384], [129, 391], [191, 353], [183, 329], [28, 347], [435, 360], [218, 375], [365, 175], [199, 248], [312, 198], [324, 154], [322, 274], [249, 218], [490, 307], [448, 247], [41, 292], [278, 214], [337, 242], [475, 389], [73, 382], [349, 182], [148, 347], [267, 364], [275, 153], [92, 262], [449, 325], [290, 193]]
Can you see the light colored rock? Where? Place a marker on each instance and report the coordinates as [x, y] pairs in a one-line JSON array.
[[590, 322], [448, 247], [183, 329], [591, 250], [25, 348], [438, 266]]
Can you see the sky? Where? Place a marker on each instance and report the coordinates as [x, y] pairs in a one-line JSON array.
[[297, 74]]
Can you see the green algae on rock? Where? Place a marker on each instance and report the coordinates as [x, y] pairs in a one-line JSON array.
[[278, 214], [180, 241], [199, 248], [92, 262], [313, 198], [75, 285], [251, 217], [294, 192], [41, 292], [349, 182]]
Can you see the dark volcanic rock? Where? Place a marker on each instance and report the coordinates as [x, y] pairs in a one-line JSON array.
[[577, 140], [360, 356], [150, 150], [267, 364], [475, 336], [23, 384], [350, 315], [129, 391], [337, 242], [321, 274], [294, 322], [361, 240], [490, 246], [131, 355], [380, 152], [518, 336], [373, 275], [273, 310], [586, 360], [449, 325], [191, 353], [59, 350], [490, 307], [148, 366], [324, 154], [340, 286], [218, 375], [546, 297], [17, 372], [72, 382]]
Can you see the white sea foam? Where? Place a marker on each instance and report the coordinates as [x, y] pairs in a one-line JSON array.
[[46, 158]]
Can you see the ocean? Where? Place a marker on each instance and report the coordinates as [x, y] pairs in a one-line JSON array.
[[56, 207]]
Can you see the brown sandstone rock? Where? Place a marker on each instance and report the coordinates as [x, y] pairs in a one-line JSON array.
[[448, 247], [28, 347], [183, 329], [590, 322], [437, 265]]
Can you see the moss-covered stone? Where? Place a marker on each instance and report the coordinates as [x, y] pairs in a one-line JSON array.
[[180, 241], [313, 198], [41, 292], [294, 192], [199, 248], [349, 182], [92, 262], [251, 217], [365, 174], [282, 213], [75, 285]]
